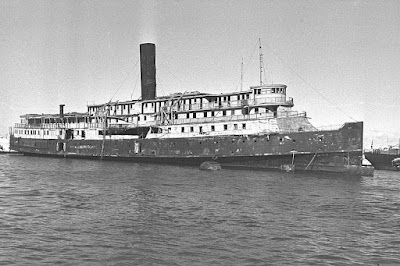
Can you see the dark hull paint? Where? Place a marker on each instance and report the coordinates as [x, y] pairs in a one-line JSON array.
[[382, 161], [8, 152], [338, 151]]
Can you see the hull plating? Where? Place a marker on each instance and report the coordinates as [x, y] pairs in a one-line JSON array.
[[328, 151], [382, 161]]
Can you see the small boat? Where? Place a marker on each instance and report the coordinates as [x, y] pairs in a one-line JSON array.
[[384, 159], [396, 163], [5, 145]]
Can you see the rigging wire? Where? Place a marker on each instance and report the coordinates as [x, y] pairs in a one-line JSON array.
[[159, 84], [126, 77], [180, 81], [242, 74], [312, 87], [134, 87]]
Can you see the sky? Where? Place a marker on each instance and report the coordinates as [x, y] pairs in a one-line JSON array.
[[339, 58]]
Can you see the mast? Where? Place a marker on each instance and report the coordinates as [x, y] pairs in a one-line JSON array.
[[105, 108], [241, 76], [261, 62]]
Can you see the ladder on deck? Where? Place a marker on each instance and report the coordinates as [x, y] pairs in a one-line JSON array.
[[312, 159]]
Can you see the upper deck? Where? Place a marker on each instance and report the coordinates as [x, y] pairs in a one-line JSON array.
[[259, 102], [267, 96]]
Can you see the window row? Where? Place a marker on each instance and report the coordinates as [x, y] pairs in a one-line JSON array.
[[269, 90], [212, 128], [182, 102]]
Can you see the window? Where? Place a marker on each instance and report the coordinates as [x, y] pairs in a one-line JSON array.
[[201, 130], [212, 128], [244, 126], [235, 126], [191, 129], [205, 114], [182, 129], [256, 110], [212, 113], [194, 115], [224, 113], [225, 127]]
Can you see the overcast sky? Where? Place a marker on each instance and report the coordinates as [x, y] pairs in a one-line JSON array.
[[340, 59]]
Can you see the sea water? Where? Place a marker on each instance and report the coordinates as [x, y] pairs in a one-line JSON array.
[[91, 212]]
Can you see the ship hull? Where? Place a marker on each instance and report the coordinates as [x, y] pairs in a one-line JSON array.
[[382, 161], [335, 151]]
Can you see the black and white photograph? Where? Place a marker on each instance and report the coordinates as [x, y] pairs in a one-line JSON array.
[[199, 132]]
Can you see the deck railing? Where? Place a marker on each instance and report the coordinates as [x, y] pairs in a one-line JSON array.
[[229, 104], [170, 122], [235, 118]]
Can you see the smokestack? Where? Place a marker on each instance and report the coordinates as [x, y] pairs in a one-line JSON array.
[[62, 110], [148, 70]]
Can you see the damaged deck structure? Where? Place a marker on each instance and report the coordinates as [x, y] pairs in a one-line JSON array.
[[253, 129]]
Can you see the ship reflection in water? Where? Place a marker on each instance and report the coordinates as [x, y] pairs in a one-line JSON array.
[[68, 211]]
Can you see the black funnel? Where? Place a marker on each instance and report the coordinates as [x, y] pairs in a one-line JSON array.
[[148, 70]]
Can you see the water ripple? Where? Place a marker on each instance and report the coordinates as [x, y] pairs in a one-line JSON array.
[[63, 211]]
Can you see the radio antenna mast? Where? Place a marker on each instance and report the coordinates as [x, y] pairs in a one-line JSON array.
[[241, 76], [261, 63]]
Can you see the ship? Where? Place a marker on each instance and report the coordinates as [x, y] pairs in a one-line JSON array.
[[384, 159], [5, 145], [255, 128]]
